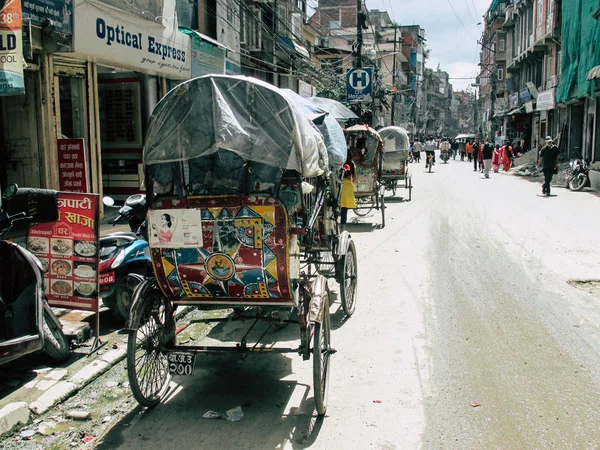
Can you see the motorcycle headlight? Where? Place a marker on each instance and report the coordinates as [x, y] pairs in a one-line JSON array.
[[118, 260]]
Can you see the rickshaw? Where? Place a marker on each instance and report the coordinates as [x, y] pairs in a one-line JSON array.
[[365, 147], [395, 159], [241, 202]]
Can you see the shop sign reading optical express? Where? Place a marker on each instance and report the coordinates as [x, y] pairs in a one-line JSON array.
[[125, 40]]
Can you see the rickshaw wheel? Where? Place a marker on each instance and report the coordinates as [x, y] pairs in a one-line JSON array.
[[147, 364], [382, 206], [321, 355], [349, 280], [365, 204], [410, 190]]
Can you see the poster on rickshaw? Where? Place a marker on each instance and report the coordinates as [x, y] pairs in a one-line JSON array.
[[175, 228], [68, 251]]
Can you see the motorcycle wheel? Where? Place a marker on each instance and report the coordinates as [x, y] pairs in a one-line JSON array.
[[577, 183], [56, 345], [121, 300]]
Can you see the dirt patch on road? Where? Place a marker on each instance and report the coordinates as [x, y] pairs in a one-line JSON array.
[[589, 286]]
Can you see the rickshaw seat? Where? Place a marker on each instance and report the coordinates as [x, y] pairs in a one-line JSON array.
[[244, 258]]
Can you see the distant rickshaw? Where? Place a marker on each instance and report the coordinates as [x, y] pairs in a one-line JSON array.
[[395, 159], [365, 147]]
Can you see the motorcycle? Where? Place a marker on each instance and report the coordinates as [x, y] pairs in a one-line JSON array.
[[27, 323], [444, 156], [578, 174], [124, 257]]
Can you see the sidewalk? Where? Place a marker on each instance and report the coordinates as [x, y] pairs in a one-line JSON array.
[[28, 386]]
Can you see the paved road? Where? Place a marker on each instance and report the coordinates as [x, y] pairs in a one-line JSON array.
[[463, 298]]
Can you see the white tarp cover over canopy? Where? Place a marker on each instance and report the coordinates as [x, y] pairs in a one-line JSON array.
[[244, 115], [330, 129], [396, 140]]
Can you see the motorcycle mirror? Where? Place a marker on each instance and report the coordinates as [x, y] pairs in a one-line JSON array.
[[10, 191], [108, 201]]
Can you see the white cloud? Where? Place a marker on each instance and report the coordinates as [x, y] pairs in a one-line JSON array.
[[453, 45]]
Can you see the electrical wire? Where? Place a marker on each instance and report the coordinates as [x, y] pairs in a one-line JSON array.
[[461, 22]]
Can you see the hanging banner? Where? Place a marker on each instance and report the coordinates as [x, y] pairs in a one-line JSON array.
[[68, 251], [71, 165], [12, 81]]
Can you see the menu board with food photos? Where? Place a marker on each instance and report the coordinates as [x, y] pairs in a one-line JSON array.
[[68, 251]]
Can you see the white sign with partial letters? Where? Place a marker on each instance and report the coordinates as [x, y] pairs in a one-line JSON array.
[[118, 38]]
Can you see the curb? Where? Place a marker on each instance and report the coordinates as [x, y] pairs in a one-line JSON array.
[[17, 413]]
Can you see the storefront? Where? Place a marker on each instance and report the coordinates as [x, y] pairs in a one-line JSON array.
[[26, 157], [131, 63]]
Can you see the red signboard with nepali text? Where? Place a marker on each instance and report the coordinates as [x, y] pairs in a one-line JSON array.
[[68, 251], [71, 165]]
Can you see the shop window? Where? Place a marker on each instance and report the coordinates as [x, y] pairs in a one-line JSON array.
[[120, 114]]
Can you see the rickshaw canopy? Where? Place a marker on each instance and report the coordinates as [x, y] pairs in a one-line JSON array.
[[396, 140], [374, 143], [330, 129], [338, 110], [243, 115]]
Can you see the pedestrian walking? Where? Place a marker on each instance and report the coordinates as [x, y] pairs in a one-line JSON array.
[[507, 156], [480, 156], [348, 201], [469, 148], [417, 151], [496, 155], [487, 154], [548, 163], [454, 148], [475, 154], [463, 150]]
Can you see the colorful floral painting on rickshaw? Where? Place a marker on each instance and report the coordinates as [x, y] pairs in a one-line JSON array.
[[243, 256]]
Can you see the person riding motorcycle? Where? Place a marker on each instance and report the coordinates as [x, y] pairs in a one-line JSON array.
[[445, 149], [430, 150]]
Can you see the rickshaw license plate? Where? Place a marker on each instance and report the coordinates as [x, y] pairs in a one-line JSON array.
[[182, 363]]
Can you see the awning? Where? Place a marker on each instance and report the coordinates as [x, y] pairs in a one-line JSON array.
[[203, 37], [594, 74], [295, 46], [515, 111]]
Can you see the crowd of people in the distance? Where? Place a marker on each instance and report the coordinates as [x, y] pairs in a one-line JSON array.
[[485, 155]]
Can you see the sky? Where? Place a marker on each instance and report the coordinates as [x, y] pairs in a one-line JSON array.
[[451, 35]]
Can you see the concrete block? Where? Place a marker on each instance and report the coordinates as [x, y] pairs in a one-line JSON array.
[[114, 356], [44, 385], [12, 415], [57, 374], [89, 372], [595, 180], [58, 393]]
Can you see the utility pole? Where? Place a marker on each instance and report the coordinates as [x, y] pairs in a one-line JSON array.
[[394, 77], [359, 35]]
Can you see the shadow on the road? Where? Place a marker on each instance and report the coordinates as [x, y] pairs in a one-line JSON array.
[[354, 227], [396, 200], [276, 409]]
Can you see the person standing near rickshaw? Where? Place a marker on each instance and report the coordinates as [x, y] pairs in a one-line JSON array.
[[348, 201]]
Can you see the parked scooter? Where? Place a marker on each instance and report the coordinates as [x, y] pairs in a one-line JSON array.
[[124, 257], [27, 323], [578, 174]]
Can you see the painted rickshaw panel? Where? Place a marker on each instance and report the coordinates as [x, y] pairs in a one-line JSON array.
[[243, 260]]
